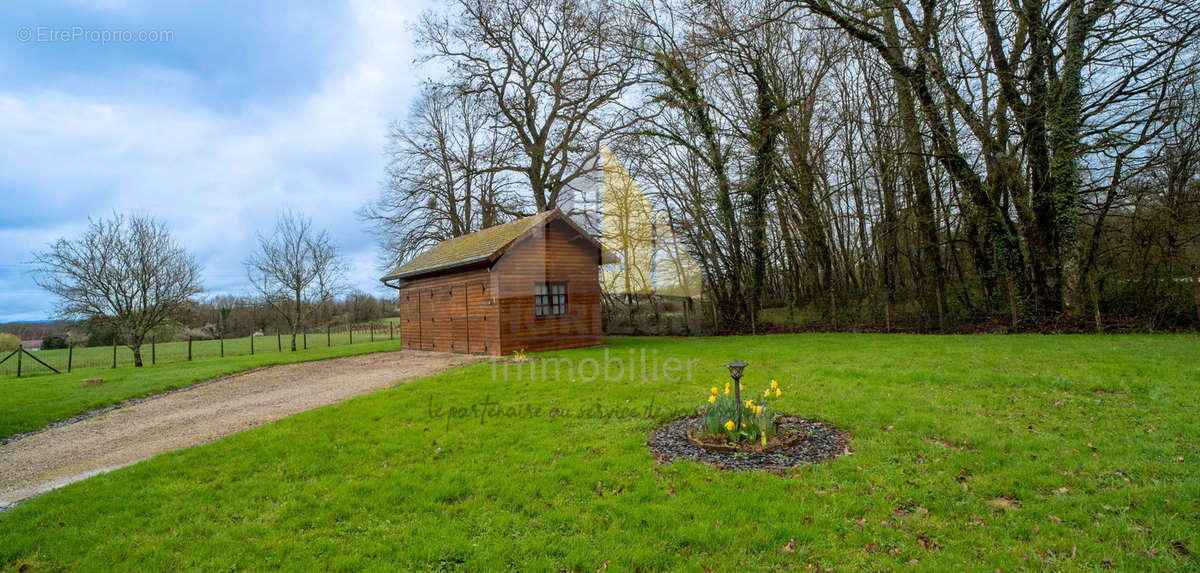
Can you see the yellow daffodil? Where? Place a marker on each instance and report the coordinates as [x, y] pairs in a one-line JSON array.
[[714, 390], [712, 399], [758, 410], [778, 393], [766, 393], [774, 384], [727, 390], [729, 425], [749, 403]]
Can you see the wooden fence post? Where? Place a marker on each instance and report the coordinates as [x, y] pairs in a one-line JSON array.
[[251, 344], [20, 351], [222, 338], [372, 332], [328, 337], [70, 356], [350, 329], [189, 348], [153, 352], [304, 336], [391, 331], [279, 341], [114, 352]]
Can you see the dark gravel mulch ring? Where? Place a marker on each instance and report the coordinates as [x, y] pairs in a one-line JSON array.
[[818, 442]]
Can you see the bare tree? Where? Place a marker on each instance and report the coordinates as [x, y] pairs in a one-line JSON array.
[[296, 270], [555, 70], [124, 272], [440, 179]]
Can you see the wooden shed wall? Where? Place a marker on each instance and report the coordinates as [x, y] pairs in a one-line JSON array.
[[557, 254], [453, 312]]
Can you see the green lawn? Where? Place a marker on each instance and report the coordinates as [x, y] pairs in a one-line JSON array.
[[164, 352], [979, 453], [32, 402]]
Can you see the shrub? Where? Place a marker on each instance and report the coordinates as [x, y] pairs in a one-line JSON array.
[[206, 332], [53, 341], [101, 337], [718, 416], [9, 342]]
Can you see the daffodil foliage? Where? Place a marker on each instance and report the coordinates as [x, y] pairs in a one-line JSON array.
[[719, 413]]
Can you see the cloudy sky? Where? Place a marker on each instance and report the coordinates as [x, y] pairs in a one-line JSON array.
[[212, 116]]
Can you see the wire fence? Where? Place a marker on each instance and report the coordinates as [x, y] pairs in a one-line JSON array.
[[21, 364]]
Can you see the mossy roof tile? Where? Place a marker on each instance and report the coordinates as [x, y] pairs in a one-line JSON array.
[[476, 247]]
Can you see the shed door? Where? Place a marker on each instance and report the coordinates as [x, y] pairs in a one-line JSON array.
[[457, 309], [441, 313], [410, 329], [427, 307], [478, 306]]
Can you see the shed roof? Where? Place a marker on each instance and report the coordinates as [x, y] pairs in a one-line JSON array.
[[478, 247]]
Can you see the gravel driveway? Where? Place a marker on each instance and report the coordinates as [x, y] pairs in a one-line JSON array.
[[56, 457]]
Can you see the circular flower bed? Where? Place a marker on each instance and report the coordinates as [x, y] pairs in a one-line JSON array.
[[802, 441]]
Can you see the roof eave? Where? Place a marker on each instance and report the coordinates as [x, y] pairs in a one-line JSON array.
[[436, 269]]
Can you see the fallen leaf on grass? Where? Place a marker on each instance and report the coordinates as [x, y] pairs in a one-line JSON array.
[[1001, 504], [926, 544]]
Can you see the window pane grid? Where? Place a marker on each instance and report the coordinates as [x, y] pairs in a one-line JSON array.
[[550, 299]]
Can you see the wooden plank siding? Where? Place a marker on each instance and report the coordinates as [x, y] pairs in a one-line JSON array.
[[556, 254]]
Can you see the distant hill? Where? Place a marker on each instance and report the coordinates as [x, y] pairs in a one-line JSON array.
[[35, 329]]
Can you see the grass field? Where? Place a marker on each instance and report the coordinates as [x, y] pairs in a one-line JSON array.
[[977, 453], [167, 352], [30, 403]]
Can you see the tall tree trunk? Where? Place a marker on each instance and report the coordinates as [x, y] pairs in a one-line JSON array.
[[915, 173], [766, 131], [1043, 244], [1196, 291], [1066, 146]]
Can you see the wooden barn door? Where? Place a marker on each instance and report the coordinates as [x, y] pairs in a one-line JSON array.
[[428, 306], [459, 331], [478, 301], [410, 330], [443, 335]]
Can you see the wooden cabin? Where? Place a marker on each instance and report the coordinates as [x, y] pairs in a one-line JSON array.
[[531, 284]]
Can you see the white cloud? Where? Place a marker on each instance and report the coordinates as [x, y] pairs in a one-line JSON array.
[[215, 176]]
